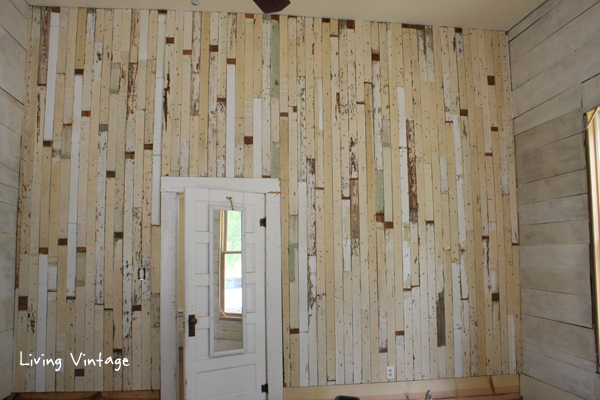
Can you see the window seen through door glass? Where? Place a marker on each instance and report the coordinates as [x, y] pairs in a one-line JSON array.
[[232, 263]]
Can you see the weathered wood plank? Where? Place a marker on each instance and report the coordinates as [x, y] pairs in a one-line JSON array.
[[567, 377], [548, 24], [564, 103], [565, 185], [556, 158], [568, 338], [560, 128], [550, 51], [561, 307], [531, 18], [557, 210], [559, 280], [536, 389]]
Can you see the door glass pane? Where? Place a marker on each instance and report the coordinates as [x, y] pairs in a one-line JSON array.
[[233, 283], [228, 297], [234, 231]]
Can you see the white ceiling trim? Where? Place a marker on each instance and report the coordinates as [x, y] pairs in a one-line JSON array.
[[483, 14]]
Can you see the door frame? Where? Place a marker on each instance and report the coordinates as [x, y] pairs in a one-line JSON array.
[[169, 220]]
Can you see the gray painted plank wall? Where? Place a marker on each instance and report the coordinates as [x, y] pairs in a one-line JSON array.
[[14, 23], [555, 67]]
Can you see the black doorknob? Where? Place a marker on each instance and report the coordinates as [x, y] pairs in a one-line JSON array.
[[192, 321]]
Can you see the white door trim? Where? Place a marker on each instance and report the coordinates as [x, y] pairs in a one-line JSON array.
[[169, 206]]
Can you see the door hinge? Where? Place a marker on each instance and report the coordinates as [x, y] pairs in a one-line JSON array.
[[264, 388], [263, 222]]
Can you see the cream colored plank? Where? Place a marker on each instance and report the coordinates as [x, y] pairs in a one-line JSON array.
[[240, 65], [265, 96], [203, 96]]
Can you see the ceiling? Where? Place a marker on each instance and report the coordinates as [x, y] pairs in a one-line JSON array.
[[485, 14]]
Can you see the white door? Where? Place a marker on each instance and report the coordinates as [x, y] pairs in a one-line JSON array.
[[225, 354]]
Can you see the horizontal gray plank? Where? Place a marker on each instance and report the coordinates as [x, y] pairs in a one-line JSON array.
[[7, 297], [566, 155], [534, 389], [568, 308], [568, 338], [559, 355], [552, 21], [566, 377], [10, 161], [9, 177], [569, 232], [570, 71], [558, 46], [22, 6], [555, 187], [558, 280], [10, 142], [590, 93], [8, 216], [12, 66], [564, 103], [557, 210], [11, 112], [8, 252], [559, 128], [575, 257], [6, 362], [533, 16], [9, 195], [14, 22]]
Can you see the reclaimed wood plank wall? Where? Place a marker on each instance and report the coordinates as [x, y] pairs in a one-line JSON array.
[[394, 147]]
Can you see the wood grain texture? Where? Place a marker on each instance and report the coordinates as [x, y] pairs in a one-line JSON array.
[[14, 25], [383, 143], [553, 196]]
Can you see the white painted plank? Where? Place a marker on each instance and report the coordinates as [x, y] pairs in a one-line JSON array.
[[346, 243], [303, 282], [265, 167], [273, 283], [169, 372], [230, 132], [40, 369], [158, 95], [51, 81], [71, 258], [257, 141], [156, 209]]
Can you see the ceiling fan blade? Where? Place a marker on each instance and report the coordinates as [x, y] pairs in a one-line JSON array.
[[271, 6]]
